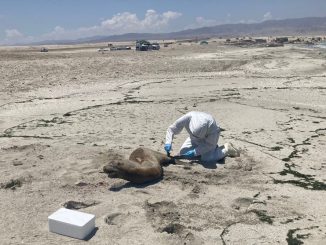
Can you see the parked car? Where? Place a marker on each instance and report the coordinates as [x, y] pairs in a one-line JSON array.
[[44, 50], [203, 42], [156, 46], [143, 45], [103, 50]]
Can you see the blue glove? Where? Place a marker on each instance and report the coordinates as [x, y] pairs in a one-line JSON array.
[[190, 154], [167, 148]]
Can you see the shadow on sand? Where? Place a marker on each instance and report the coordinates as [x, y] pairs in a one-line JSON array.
[[209, 165], [133, 185], [90, 236]]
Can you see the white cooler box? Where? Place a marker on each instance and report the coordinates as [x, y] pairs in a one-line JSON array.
[[71, 223]]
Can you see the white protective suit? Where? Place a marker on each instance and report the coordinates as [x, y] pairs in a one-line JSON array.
[[203, 135]]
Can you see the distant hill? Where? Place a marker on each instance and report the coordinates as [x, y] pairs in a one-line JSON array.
[[287, 27]]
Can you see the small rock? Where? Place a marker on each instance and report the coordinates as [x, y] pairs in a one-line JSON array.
[[12, 184], [196, 189], [172, 228], [18, 163], [247, 168], [80, 183], [68, 114]]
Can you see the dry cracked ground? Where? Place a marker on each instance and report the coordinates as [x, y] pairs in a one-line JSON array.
[[66, 113]]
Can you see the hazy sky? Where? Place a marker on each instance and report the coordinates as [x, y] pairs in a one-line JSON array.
[[35, 20]]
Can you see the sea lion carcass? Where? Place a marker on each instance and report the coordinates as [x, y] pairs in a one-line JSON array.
[[143, 165]]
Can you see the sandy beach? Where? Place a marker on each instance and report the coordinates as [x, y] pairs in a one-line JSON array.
[[66, 113]]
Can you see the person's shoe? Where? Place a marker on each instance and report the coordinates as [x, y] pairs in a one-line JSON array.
[[231, 151]]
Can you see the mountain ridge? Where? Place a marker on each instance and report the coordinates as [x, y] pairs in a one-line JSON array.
[[284, 27]]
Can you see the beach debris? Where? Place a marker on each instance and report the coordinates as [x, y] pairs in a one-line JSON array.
[[79, 205], [257, 194], [12, 184]]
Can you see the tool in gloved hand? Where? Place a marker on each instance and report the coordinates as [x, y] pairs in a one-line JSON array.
[[188, 156], [167, 148]]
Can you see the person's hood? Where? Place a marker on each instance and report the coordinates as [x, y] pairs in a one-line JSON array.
[[198, 127]]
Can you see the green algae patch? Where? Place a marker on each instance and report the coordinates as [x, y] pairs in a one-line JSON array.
[[276, 148], [262, 215], [305, 181], [296, 239]]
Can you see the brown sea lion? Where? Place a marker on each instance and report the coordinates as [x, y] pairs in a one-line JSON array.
[[143, 165]]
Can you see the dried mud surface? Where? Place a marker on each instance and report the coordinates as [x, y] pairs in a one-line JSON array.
[[66, 113]]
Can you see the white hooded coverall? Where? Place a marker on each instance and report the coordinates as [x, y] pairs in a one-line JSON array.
[[203, 135]]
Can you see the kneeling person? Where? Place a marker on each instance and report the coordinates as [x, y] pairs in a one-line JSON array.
[[203, 133]]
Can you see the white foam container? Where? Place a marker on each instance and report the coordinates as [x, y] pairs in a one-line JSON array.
[[71, 223]]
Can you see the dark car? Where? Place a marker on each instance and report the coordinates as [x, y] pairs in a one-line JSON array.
[[44, 50], [143, 45]]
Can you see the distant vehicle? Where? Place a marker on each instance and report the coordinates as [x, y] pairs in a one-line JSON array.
[[156, 46], [274, 44], [203, 42], [143, 45], [120, 48], [282, 40], [44, 50], [103, 50], [260, 40]]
